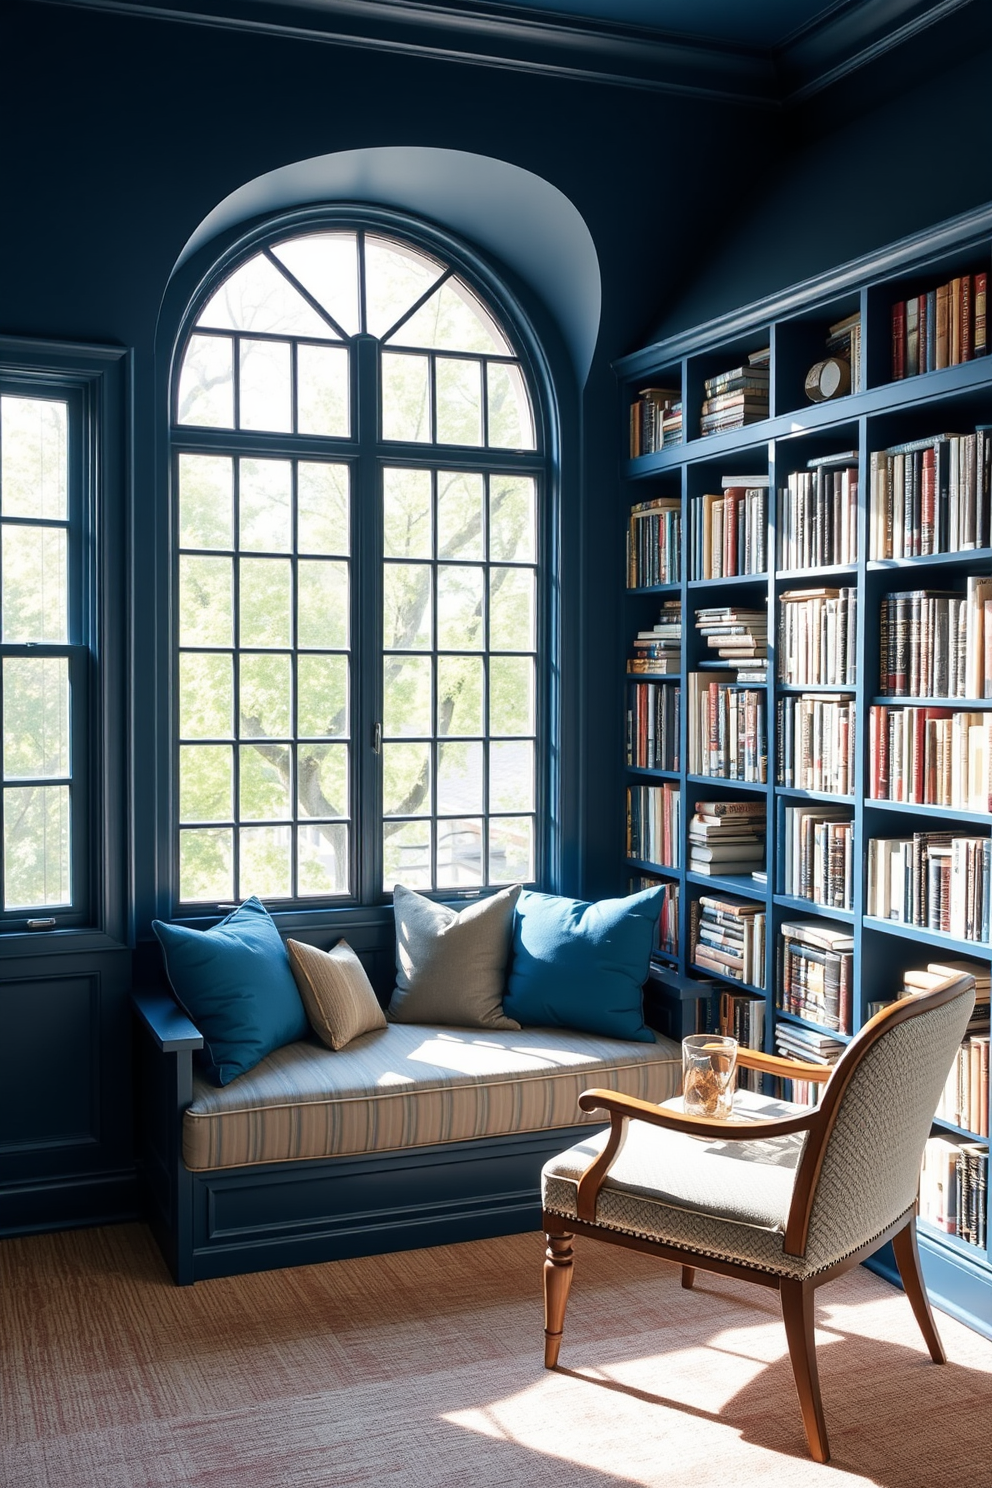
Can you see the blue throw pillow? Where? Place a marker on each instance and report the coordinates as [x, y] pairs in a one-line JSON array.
[[578, 965], [235, 982]]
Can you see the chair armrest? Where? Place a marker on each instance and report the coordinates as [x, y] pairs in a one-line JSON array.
[[165, 1020], [789, 1069]]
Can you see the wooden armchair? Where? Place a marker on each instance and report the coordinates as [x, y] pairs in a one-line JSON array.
[[782, 1196]]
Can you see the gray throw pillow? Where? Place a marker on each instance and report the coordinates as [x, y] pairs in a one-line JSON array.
[[451, 964]]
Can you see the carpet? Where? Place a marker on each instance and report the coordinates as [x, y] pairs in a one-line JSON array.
[[423, 1369]]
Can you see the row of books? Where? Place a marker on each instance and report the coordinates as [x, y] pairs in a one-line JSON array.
[[934, 880], [654, 824], [653, 714], [930, 757], [933, 642], [728, 533], [815, 741], [964, 1100], [954, 1188], [796, 1041], [931, 496], [727, 936], [722, 842], [818, 514], [654, 543], [816, 973], [658, 651], [655, 420], [738, 396], [666, 939], [844, 340], [737, 637], [818, 855], [817, 635], [941, 327], [728, 730]]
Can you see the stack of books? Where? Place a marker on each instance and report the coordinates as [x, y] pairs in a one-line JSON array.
[[654, 824], [818, 855], [796, 1041], [651, 410], [657, 652], [738, 637], [931, 496], [815, 742], [930, 757], [728, 937], [728, 729], [736, 397], [727, 837], [653, 726], [817, 637], [941, 327], [818, 514], [953, 1187], [728, 533], [934, 880], [933, 642], [817, 973], [654, 543]]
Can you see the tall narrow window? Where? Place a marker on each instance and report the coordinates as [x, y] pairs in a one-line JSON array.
[[359, 487]]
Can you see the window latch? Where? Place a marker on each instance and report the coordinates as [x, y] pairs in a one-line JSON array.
[[377, 738]]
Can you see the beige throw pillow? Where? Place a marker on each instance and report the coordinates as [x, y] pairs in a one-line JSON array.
[[336, 993], [451, 964]]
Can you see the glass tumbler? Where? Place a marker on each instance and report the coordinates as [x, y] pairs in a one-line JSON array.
[[709, 1063]]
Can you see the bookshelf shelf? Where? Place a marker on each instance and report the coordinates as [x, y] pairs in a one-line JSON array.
[[661, 870], [840, 442]]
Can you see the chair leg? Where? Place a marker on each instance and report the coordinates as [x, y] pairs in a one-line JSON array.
[[908, 1260], [797, 1313], [557, 1281], [688, 1277]]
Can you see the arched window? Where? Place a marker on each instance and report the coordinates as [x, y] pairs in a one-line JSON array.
[[359, 479]]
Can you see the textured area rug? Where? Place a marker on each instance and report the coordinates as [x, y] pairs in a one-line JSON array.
[[424, 1368]]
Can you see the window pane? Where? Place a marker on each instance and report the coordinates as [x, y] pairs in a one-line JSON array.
[[460, 852], [206, 383], [322, 780], [406, 779], [395, 278], [322, 390], [266, 862], [206, 695], [459, 514], [512, 518], [460, 681], [264, 384], [35, 718], [35, 584], [511, 776], [407, 618], [322, 859], [36, 847], [453, 320], [459, 776], [459, 401], [322, 704], [406, 853], [206, 613], [460, 619], [265, 597], [265, 506], [264, 792], [257, 297], [322, 618], [266, 696], [511, 695], [322, 501], [511, 609], [511, 420], [34, 476], [326, 264], [406, 695], [206, 501], [406, 513], [206, 865], [206, 783], [511, 849], [406, 404]]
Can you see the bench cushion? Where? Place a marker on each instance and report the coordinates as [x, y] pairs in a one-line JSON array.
[[412, 1086]]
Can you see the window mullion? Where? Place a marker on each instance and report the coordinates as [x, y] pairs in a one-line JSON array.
[[367, 634]]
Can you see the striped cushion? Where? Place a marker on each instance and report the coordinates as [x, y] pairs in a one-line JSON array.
[[410, 1086]]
